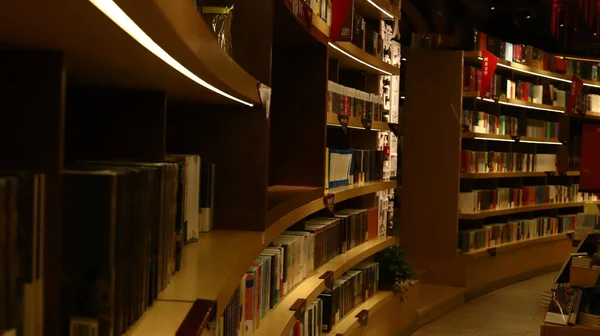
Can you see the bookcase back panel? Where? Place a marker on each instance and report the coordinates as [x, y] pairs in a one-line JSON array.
[[431, 152], [297, 118], [107, 124], [32, 91], [241, 166]]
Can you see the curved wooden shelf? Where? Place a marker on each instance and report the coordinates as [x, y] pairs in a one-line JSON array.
[[353, 58], [350, 323], [280, 319], [332, 119], [515, 102], [482, 253], [476, 176], [162, 318], [97, 51], [528, 208], [367, 9], [509, 138], [475, 57], [471, 135]]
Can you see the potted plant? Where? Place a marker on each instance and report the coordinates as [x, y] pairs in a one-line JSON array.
[[395, 273]]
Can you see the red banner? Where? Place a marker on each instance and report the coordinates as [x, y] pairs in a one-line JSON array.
[[589, 175], [488, 67], [339, 10], [574, 93]]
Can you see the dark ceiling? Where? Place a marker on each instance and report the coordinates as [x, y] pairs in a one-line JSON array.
[[517, 21]]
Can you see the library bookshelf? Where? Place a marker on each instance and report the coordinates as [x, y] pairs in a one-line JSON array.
[[435, 99], [181, 93]]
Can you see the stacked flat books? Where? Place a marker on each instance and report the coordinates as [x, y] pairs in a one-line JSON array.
[[581, 261]]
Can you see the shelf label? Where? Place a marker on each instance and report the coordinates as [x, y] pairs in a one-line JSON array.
[[550, 173], [343, 120], [328, 277], [329, 203], [488, 67], [395, 128], [299, 307], [363, 317], [367, 124], [492, 251]]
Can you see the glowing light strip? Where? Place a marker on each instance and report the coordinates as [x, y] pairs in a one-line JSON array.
[[542, 142], [530, 72], [519, 105], [358, 59], [493, 139], [118, 16], [354, 127], [381, 9], [591, 85]]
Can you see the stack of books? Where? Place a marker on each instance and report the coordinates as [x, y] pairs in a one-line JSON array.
[[354, 103], [499, 162]]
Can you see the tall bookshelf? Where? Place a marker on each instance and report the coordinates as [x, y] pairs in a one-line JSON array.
[[431, 219], [87, 101]]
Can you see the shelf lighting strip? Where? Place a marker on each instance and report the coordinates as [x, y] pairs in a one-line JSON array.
[[519, 105], [530, 72], [542, 142], [493, 139], [118, 16], [380, 9], [358, 59], [354, 127]]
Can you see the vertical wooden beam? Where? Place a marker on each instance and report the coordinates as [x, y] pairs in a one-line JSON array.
[[104, 124], [236, 140], [32, 91]]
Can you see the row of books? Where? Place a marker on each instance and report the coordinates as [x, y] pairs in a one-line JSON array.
[[542, 129], [592, 103], [507, 198], [503, 162], [352, 166], [22, 222], [356, 286], [143, 215], [481, 122], [520, 90], [321, 8], [290, 259], [361, 33], [493, 235], [312, 322], [535, 57], [353, 103]]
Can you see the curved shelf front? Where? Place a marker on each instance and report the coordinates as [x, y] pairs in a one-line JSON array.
[[527, 208], [477, 176], [162, 318], [350, 323], [482, 253], [280, 319], [332, 120], [97, 51], [515, 102], [353, 58]]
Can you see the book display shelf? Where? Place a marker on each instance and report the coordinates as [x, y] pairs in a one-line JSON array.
[[474, 177], [123, 81]]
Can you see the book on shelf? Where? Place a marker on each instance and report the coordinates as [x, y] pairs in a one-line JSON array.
[[355, 103], [291, 258], [312, 322], [188, 196], [482, 122], [207, 196], [353, 166], [563, 304], [503, 162], [498, 234], [22, 204], [507, 198]]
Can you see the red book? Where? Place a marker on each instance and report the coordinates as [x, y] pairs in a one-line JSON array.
[[373, 216], [589, 169]]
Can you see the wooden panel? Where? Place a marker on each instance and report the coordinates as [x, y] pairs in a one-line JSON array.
[[104, 124], [430, 161], [436, 300], [297, 123], [241, 165], [485, 271], [162, 318], [32, 91]]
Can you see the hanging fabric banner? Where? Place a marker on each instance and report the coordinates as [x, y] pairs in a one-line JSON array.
[[589, 171], [576, 87], [488, 67]]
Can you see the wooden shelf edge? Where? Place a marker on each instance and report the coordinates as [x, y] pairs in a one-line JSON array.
[[482, 253], [280, 319], [513, 174], [162, 318], [516, 102], [332, 119], [472, 135], [347, 47], [528, 208], [350, 322]]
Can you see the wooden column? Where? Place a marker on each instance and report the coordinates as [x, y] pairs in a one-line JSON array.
[[32, 92]]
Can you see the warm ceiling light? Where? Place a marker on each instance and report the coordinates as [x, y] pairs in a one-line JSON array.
[[381, 9], [529, 16], [358, 59], [492, 8], [118, 16]]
